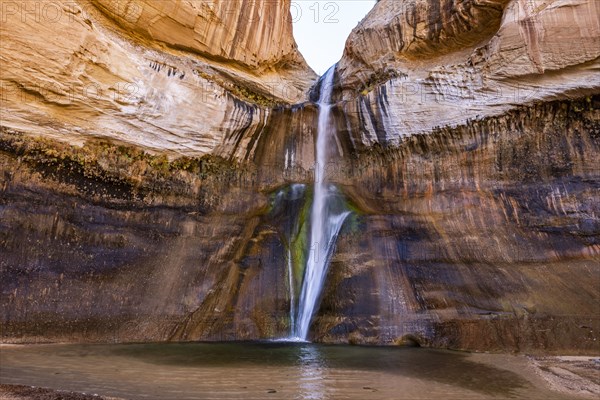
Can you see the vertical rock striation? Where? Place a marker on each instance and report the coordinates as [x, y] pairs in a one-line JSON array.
[[147, 159], [123, 71], [414, 86], [471, 135], [481, 237]]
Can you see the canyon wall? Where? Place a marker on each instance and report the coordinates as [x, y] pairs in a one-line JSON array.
[[140, 145], [428, 81], [467, 147], [482, 236], [121, 70], [471, 133]]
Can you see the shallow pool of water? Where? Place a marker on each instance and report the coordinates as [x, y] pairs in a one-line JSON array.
[[270, 371]]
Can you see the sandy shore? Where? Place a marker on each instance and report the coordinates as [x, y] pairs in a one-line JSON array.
[[573, 375], [18, 392]]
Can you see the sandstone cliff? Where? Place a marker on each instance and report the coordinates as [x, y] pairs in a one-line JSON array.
[[255, 34], [472, 152], [417, 65], [468, 149], [484, 236], [169, 76]]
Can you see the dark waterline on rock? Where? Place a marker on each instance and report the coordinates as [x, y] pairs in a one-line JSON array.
[[279, 370]]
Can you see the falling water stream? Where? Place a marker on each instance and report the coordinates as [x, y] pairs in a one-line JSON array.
[[326, 218]]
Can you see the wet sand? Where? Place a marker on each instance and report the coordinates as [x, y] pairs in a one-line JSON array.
[[574, 375], [20, 392]]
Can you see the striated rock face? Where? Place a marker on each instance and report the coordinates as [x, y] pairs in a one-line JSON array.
[[477, 226], [467, 147], [418, 31], [482, 237], [482, 62], [121, 70], [106, 242], [195, 82], [255, 34]]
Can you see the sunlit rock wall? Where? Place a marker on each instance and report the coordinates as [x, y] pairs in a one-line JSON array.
[[537, 51], [78, 70]]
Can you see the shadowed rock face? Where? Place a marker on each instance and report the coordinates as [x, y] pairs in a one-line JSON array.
[[480, 237], [468, 140], [107, 242]]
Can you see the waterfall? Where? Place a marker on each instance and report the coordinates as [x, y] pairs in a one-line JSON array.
[[292, 291], [326, 217]]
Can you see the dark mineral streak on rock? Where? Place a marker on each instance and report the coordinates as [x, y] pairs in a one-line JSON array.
[[481, 237], [475, 216], [476, 237]]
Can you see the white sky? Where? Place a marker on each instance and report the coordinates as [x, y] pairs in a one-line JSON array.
[[321, 28]]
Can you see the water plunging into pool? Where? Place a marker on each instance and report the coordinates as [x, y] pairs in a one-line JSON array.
[[326, 217]]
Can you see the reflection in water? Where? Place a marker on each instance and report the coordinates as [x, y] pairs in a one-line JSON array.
[[303, 371], [312, 370]]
